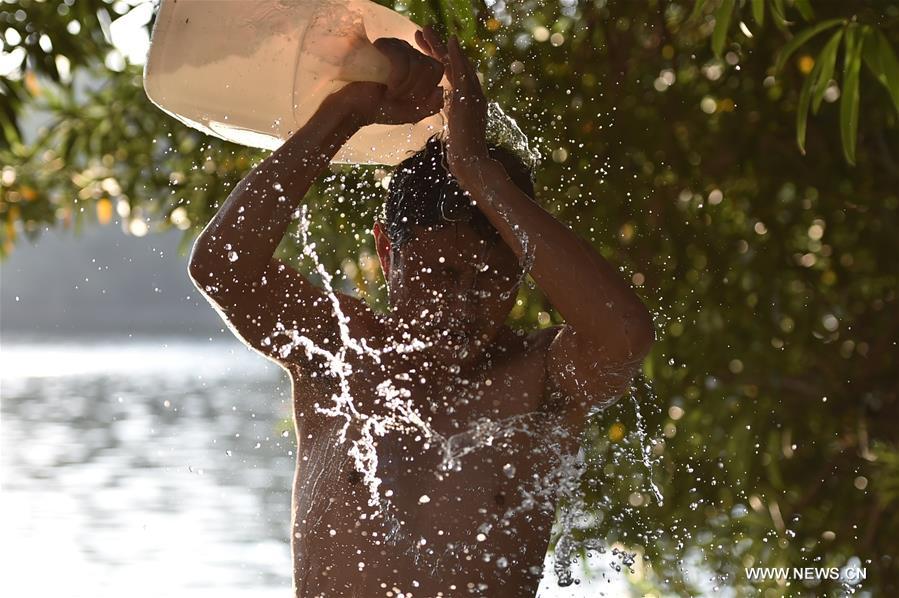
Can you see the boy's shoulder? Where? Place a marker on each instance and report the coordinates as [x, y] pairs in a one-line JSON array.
[[528, 348]]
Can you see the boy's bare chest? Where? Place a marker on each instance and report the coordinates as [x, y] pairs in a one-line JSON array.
[[480, 448]]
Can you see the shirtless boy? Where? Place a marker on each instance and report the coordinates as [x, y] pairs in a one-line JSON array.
[[452, 268]]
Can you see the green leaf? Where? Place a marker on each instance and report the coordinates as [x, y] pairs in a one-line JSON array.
[[722, 23], [9, 126], [697, 8], [805, 96], [758, 11], [882, 61], [801, 38], [777, 13], [422, 13], [66, 146], [805, 9], [849, 100], [827, 61], [460, 19]]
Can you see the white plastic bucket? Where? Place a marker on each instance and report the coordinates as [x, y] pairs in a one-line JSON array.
[[255, 71]]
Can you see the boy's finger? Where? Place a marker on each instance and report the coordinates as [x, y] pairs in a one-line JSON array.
[[468, 79], [461, 67], [425, 74], [439, 49], [434, 40], [400, 65], [457, 68], [470, 72], [424, 45]]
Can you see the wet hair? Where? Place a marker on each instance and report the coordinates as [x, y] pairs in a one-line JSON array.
[[423, 192]]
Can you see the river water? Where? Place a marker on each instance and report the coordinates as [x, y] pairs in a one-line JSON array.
[[153, 466]]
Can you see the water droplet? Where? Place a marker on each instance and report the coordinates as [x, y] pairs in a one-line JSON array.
[[424, 499], [509, 470], [232, 256]]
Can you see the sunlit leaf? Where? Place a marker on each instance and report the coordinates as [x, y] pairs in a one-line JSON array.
[[827, 61], [12, 216], [10, 132], [722, 23], [697, 8], [849, 100], [104, 210], [802, 37], [758, 11], [805, 95], [13, 96], [446, 16], [422, 12], [460, 18], [882, 61], [805, 9], [778, 14]]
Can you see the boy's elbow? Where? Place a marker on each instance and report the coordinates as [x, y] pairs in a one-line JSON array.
[[196, 272], [200, 269], [209, 283], [196, 267]]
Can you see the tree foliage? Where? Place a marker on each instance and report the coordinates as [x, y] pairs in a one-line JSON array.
[[669, 130]]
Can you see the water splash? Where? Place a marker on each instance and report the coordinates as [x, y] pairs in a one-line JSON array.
[[401, 413], [645, 450], [503, 131], [561, 485]]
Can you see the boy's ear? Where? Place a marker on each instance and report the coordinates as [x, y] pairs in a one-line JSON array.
[[382, 246]]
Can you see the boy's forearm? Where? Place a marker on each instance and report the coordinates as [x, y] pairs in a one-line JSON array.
[[238, 243], [587, 290]]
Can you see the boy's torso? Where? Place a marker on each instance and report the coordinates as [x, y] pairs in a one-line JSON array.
[[467, 513]]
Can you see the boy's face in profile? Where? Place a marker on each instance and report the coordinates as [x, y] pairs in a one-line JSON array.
[[459, 285]]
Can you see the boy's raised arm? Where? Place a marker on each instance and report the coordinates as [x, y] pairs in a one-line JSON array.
[[608, 329], [237, 245], [232, 260]]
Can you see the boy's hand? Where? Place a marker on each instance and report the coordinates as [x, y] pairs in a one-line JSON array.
[[467, 109], [410, 95]]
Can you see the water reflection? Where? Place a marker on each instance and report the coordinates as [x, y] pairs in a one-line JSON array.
[[152, 467], [160, 467]]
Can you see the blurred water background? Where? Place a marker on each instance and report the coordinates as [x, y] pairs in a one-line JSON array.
[[154, 467]]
